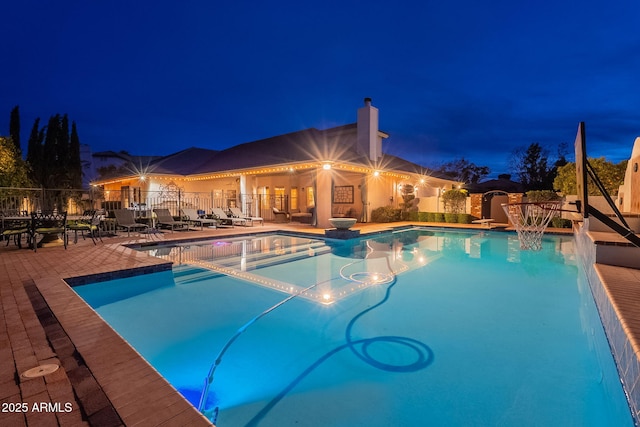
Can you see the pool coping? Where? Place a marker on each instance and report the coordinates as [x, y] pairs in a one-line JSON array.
[[616, 292], [147, 398]]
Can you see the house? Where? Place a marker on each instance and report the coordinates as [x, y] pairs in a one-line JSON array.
[[629, 192], [340, 171]]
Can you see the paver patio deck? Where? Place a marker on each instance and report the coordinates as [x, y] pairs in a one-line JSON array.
[[102, 381]]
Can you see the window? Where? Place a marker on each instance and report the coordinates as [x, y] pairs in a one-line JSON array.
[[294, 198], [280, 198], [310, 197]]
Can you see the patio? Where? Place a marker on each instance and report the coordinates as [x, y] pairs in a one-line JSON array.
[[100, 376]]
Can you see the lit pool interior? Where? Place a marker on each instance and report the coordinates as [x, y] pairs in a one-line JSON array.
[[415, 327]]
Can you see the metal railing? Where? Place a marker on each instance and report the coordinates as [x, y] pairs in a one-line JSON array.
[[15, 200]]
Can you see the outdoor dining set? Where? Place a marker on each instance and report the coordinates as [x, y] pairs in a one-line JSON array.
[[43, 228]]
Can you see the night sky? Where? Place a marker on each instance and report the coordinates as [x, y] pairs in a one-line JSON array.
[[451, 78]]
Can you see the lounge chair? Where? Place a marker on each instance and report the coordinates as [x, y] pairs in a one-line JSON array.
[[236, 212], [226, 219], [194, 218], [165, 219], [279, 215], [125, 219]]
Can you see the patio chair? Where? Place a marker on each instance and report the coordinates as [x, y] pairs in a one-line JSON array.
[[48, 224], [14, 227], [89, 222], [193, 217], [226, 219], [236, 212], [279, 215], [165, 219], [125, 219]]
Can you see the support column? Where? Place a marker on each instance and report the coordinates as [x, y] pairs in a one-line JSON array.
[[243, 193], [323, 197], [476, 206]]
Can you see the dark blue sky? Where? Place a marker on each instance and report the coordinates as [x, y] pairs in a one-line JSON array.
[[451, 79]]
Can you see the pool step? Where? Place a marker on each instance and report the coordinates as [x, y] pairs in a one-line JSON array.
[[262, 259], [190, 273], [193, 274]]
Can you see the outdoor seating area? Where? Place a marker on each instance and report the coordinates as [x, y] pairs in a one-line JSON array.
[[42, 228]]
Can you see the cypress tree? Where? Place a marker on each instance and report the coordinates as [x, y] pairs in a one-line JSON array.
[[50, 159], [63, 149], [75, 164], [14, 128], [35, 153]]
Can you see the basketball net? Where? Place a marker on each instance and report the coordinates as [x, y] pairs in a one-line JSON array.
[[530, 220]]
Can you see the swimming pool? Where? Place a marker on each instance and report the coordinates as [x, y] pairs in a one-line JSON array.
[[415, 327]]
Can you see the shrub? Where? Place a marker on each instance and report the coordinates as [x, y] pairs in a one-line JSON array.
[[454, 200], [438, 217], [541, 196], [464, 218], [423, 216], [411, 216], [451, 217], [385, 214], [560, 222], [430, 217]]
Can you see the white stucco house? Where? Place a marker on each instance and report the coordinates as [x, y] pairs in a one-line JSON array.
[[337, 171]]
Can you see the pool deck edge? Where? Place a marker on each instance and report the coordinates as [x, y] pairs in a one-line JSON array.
[[112, 361]]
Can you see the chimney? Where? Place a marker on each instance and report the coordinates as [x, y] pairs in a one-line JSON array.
[[368, 141]]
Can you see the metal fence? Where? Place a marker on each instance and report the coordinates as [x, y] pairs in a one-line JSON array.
[[76, 201], [26, 200]]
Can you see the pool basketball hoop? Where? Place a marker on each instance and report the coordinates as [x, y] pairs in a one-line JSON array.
[[530, 220]]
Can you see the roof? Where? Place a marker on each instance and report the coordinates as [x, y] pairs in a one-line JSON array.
[[185, 162], [337, 143], [496, 184]]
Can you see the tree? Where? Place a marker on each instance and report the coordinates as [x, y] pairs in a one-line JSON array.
[[454, 200], [611, 175], [14, 128], [409, 201], [13, 170], [531, 167], [54, 154], [463, 170], [75, 163], [35, 153]]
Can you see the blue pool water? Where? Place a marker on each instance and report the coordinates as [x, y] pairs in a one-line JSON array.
[[418, 327]]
